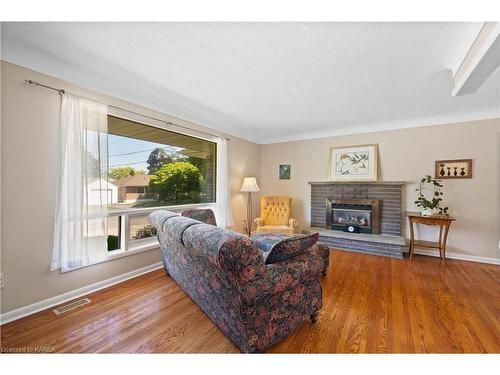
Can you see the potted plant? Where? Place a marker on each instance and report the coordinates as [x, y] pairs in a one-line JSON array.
[[430, 207]]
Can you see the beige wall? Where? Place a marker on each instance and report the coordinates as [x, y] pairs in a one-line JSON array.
[[407, 155], [29, 165], [498, 189], [244, 162]]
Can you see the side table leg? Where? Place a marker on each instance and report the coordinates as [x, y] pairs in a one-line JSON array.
[[412, 240], [445, 238], [441, 241]]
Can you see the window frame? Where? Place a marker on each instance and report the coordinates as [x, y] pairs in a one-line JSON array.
[[131, 247]]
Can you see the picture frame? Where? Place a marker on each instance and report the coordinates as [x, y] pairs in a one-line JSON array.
[[285, 171], [453, 169], [354, 163]]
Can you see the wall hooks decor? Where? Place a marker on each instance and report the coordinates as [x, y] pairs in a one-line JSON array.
[[452, 169]]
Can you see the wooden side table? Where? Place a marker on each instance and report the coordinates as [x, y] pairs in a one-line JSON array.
[[443, 222]]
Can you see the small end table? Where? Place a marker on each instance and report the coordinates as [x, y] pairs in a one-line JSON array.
[[442, 221]]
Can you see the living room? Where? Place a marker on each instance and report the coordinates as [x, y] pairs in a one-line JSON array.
[[251, 187]]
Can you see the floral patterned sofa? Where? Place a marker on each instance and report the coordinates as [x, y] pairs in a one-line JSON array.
[[254, 304]]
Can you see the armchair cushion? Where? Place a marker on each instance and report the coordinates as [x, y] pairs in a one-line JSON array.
[[275, 210], [276, 229], [275, 216], [279, 247]]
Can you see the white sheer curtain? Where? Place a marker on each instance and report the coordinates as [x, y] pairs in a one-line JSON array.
[[223, 196], [79, 238]]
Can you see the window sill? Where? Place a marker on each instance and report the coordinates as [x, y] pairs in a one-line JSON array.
[[135, 249], [131, 248], [148, 210], [116, 254]]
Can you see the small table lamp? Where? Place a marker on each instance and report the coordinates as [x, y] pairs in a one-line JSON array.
[[249, 186]]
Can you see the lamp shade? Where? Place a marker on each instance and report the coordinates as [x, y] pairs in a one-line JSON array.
[[249, 185]]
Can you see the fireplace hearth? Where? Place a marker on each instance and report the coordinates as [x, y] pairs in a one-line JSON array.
[[353, 215]]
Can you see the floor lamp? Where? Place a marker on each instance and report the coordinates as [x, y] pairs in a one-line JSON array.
[[249, 186]]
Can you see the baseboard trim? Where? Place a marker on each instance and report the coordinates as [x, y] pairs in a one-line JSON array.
[[21, 312], [470, 258]]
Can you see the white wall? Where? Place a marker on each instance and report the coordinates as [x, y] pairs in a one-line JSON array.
[[30, 118], [408, 155]]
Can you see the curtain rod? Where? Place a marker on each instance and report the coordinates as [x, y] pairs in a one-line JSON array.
[[62, 92]]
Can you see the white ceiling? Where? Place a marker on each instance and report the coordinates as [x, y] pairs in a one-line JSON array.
[[267, 82]]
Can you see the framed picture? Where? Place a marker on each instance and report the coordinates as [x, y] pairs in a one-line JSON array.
[[285, 171], [354, 163], [461, 168]]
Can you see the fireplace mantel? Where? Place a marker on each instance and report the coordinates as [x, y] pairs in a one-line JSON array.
[[371, 183]]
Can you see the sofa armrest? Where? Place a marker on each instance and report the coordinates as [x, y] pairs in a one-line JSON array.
[[305, 266], [292, 223], [281, 276], [259, 221]]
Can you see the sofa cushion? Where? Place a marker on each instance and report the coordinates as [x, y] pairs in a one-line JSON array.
[[230, 250], [266, 241], [280, 247], [174, 227], [206, 216], [208, 239]]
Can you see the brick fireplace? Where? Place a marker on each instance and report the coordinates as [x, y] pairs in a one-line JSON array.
[[373, 208]]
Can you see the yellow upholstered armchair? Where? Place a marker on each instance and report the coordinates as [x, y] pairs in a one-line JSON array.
[[275, 215]]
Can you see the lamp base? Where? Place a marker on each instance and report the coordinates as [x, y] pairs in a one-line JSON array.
[[248, 227]]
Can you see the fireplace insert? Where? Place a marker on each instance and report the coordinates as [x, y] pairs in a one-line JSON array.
[[353, 215]]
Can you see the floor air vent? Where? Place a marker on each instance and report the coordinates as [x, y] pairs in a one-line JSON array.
[[71, 306]]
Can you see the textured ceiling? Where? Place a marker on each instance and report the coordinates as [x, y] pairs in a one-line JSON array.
[[266, 82]]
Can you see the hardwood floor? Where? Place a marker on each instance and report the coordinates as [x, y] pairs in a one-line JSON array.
[[371, 305]]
